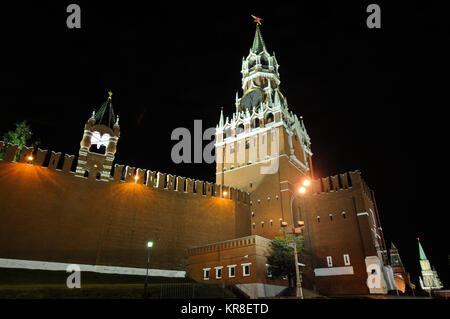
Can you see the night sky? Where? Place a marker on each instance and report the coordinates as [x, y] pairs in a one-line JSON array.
[[372, 99]]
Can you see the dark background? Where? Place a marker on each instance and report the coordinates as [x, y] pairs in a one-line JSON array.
[[372, 99]]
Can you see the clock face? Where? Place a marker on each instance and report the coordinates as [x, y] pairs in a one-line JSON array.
[[252, 99]]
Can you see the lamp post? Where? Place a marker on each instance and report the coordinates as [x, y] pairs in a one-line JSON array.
[[149, 245], [295, 231]]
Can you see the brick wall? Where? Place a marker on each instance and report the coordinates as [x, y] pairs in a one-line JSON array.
[[51, 215]]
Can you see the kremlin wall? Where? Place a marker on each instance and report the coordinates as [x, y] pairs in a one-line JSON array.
[[49, 214]]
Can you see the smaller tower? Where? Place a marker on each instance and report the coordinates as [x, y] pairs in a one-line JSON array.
[[402, 278], [99, 142], [429, 280]]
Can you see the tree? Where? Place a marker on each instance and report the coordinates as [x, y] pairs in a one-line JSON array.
[[281, 260], [20, 136]]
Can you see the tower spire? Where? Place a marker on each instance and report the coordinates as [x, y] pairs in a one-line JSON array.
[[221, 117], [421, 251], [100, 115], [258, 42]]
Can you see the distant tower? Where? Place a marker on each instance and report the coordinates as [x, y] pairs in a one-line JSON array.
[[402, 278], [98, 146], [263, 148], [429, 280]]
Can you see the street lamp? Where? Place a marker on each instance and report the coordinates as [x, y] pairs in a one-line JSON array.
[[297, 230], [149, 245]]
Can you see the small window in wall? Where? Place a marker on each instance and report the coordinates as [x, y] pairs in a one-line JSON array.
[[232, 150], [219, 272], [331, 217], [346, 259], [246, 269], [206, 273], [231, 271], [329, 261], [318, 219], [254, 225], [247, 144], [344, 215], [262, 224], [271, 222], [253, 214]]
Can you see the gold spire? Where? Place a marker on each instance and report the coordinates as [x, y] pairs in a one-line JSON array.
[[110, 95]]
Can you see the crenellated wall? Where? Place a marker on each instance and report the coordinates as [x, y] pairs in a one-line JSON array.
[[49, 214]]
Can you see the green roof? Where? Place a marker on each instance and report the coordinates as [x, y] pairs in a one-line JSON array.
[[100, 117], [258, 42], [421, 252]]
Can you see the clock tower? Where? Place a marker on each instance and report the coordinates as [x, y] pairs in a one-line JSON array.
[[263, 148]]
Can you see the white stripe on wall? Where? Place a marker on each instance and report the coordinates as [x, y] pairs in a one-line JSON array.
[[334, 271], [46, 265]]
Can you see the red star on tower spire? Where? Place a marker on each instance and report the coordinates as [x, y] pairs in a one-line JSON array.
[[257, 20]]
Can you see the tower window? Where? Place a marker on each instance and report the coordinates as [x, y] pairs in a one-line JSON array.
[[86, 174], [247, 144], [318, 219], [231, 271], [346, 259], [240, 129], [231, 149], [206, 273], [246, 269], [253, 214], [269, 118], [98, 176], [344, 215], [219, 272], [329, 261], [331, 217]]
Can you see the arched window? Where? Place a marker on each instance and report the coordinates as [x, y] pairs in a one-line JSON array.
[[86, 174], [255, 123], [98, 176], [227, 133], [269, 118], [240, 129]]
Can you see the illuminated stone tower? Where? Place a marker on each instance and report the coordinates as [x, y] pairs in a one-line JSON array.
[[98, 146], [429, 280], [263, 148]]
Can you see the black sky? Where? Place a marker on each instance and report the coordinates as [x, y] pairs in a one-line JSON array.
[[371, 99]]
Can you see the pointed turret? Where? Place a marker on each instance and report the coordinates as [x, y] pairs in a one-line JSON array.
[[258, 42], [221, 123], [105, 114], [421, 252]]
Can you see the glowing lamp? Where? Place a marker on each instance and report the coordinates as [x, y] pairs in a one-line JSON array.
[[30, 158], [150, 244], [306, 182], [136, 177], [302, 190], [225, 193]]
